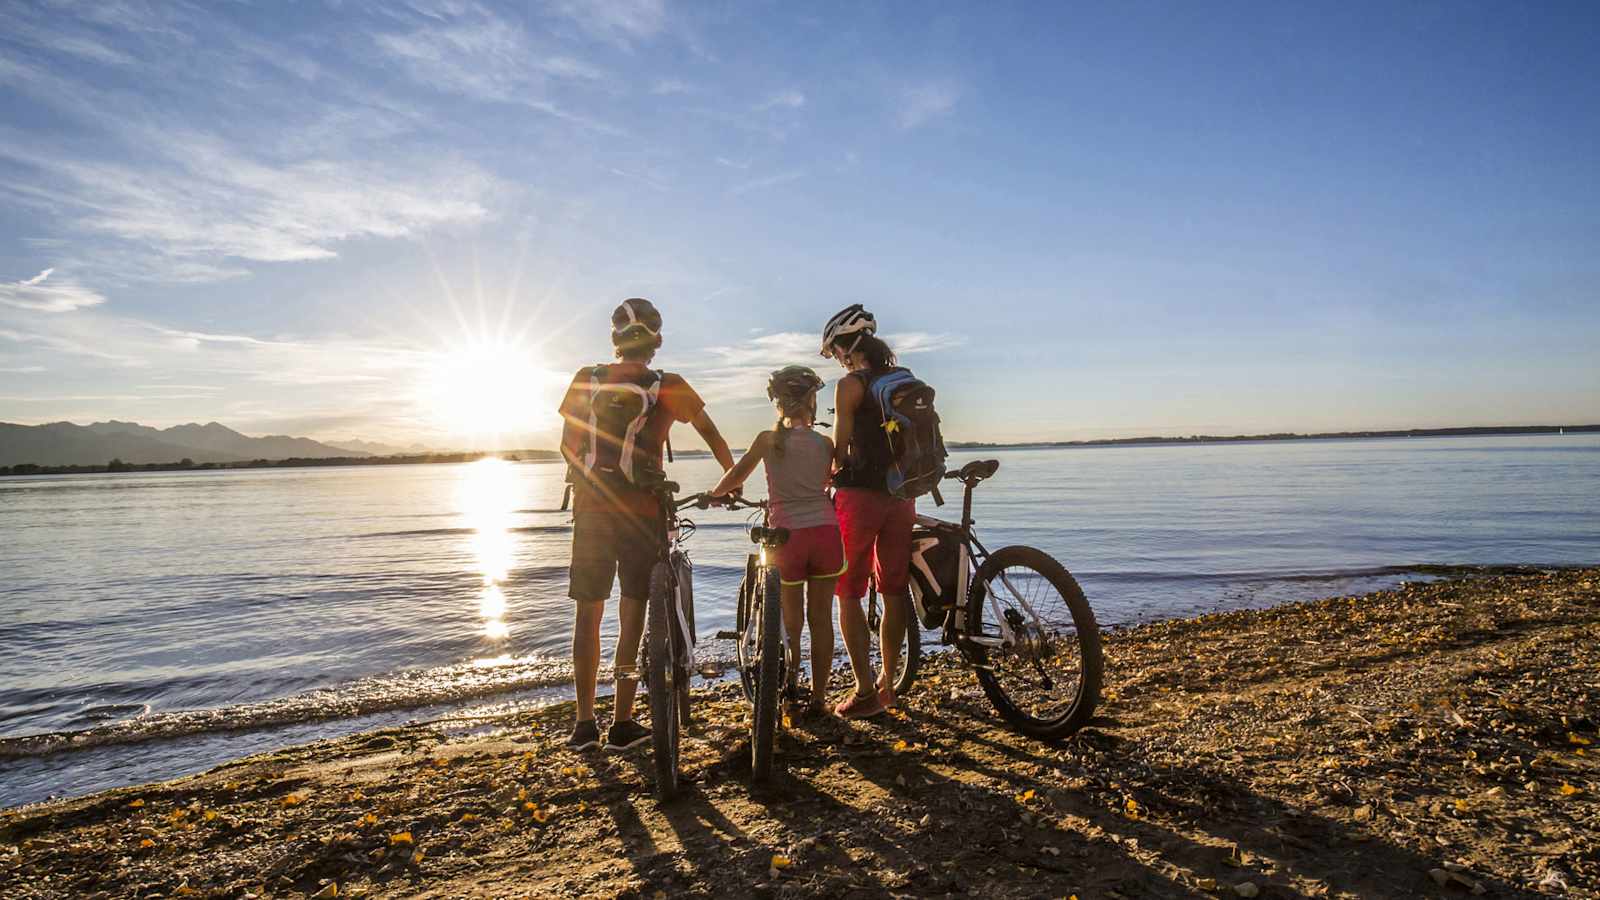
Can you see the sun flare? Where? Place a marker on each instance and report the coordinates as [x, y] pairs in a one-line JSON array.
[[484, 389]]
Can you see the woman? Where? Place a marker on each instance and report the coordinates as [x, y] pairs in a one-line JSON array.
[[876, 527]]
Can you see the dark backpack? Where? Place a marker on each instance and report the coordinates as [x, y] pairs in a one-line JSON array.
[[613, 419], [911, 427]]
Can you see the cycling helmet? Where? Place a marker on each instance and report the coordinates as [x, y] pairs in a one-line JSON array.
[[853, 319], [793, 383], [634, 319]]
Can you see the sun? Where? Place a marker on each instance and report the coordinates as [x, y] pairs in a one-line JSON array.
[[485, 388]]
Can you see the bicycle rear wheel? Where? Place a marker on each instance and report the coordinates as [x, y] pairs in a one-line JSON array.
[[764, 726], [1046, 684], [659, 685]]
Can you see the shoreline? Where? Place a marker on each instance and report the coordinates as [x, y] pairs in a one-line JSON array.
[[1340, 747]]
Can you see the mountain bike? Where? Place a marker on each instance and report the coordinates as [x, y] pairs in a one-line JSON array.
[[758, 634], [668, 646], [1018, 619]]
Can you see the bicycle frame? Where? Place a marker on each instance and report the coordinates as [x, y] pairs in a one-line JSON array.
[[972, 554]]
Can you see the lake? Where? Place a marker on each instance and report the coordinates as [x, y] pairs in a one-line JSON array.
[[162, 623]]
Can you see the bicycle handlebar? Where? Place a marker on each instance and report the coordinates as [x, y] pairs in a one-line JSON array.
[[727, 501]]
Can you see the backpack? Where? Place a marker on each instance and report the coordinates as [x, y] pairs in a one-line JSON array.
[[616, 412], [911, 426]]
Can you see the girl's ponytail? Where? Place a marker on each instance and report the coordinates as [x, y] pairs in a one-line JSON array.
[[780, 435]]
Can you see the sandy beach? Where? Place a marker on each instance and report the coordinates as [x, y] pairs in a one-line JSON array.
[[1435, 740]]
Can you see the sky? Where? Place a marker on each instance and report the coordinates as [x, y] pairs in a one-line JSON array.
[[409, 222]]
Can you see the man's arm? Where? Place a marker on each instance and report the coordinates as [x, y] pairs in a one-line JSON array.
[[847, 396], [708, 432], [571, 428], [736, 476]]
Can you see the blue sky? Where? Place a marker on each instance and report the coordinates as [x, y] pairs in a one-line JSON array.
[[409, 222]]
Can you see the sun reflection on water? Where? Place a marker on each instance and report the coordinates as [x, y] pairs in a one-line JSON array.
[[488, 499]]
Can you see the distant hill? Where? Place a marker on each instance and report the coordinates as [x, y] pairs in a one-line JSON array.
[[377, 449], [63, 443]]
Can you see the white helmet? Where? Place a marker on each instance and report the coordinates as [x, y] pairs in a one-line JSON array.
[[853, 319]]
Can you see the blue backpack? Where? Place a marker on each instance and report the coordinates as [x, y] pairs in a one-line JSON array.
[[911, 425]]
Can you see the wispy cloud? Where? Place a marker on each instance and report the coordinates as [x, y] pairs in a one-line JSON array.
[[668, 86], [480, 54], [47, 294], [208, 199], [62, 37], [920, 104], [738, 373], [790, 99], [470, 50], [622, 22], [769, 181]]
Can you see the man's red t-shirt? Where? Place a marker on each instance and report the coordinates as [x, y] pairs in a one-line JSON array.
[[676, 402]]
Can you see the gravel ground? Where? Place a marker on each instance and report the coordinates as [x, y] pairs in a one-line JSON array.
[[1432, 741]]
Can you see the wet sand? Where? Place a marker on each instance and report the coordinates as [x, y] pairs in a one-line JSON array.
[[1435, 740]]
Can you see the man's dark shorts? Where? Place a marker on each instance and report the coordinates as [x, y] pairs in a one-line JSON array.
[[611, 545]]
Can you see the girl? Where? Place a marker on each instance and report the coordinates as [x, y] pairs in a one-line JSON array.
[[798, 461]]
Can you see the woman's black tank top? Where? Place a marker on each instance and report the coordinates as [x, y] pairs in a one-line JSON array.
[[869, 446]]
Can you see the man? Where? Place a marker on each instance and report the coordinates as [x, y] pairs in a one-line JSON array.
[[617, 416]]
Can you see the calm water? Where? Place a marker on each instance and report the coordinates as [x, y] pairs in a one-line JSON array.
[[161, 623]]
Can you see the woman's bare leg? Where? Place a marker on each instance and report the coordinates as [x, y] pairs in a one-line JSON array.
[[857, 644]]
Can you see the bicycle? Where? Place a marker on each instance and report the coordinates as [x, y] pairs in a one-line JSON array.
[[1004, 624], [668, 646], [758, 634]]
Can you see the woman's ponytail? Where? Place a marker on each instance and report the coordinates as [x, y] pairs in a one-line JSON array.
[[877, 353]]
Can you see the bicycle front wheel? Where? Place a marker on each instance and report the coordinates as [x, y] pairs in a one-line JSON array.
[[1046, 680], [763, 731], [658, 684]]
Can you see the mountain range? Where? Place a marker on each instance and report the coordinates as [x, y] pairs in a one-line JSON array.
[[66, 444]]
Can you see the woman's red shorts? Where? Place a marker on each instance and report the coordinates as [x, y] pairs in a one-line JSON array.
[[811, 553], [877, 540]]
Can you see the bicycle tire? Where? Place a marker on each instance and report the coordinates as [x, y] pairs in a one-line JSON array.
[[1087, 695], [749, 603], [911, 651], [764, 725], [662, 693]]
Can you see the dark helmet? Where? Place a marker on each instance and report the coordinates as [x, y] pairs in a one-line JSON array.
[[636, 321], [792, 383]]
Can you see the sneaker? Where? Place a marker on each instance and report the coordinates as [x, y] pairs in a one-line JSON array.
[[859, 707], [625, 735], [586, 736]]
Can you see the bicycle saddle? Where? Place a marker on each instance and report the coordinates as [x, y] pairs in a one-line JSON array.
[[978, 469]]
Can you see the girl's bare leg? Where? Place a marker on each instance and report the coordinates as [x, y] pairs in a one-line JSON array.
[[819, 613], [794, 599]]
